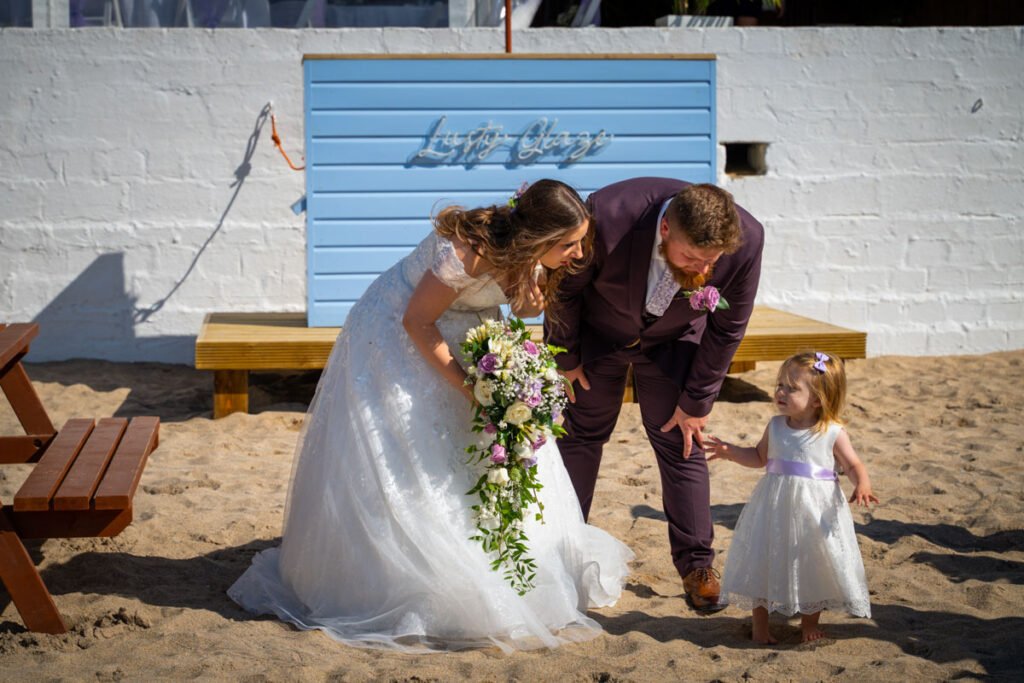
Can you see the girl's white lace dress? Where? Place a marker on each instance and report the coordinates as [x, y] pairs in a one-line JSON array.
[[795, 549], [376, 548]]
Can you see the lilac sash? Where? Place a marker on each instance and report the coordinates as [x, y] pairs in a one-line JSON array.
[[800, 469]]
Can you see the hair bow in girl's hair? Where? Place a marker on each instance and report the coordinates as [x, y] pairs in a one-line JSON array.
[[513, 201], [820, 360]]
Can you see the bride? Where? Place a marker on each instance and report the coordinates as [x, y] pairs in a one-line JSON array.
[[376, 548]]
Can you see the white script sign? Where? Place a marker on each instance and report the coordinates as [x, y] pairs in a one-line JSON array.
[[537, 139]]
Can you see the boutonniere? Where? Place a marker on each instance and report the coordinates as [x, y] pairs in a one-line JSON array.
[[706, 299]]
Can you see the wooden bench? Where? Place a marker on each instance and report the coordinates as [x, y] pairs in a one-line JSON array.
[[233, 344], [82, 485]]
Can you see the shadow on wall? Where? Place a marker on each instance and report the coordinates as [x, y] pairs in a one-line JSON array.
[[94, 317]]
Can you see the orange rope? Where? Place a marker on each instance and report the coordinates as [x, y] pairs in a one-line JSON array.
[[277, 143]]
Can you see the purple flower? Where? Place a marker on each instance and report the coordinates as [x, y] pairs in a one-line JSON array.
[[491, 428], [530, 348], [488, 364], [556, 413], [711, 297], [498, 455], [533, 401], [541, 440], [706, 299], [697, 300], [528, 461]]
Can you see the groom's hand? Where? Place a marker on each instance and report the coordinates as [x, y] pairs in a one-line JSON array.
[[691, 427], [576, 375]]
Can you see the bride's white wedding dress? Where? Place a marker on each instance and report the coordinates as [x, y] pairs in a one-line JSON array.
[[376, 548]]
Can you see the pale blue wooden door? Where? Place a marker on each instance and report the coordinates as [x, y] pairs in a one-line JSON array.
[[391, 141]]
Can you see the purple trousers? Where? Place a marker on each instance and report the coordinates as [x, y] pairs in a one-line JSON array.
[[685, 485]]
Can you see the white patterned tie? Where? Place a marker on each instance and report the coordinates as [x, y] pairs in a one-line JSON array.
[[662, 295]]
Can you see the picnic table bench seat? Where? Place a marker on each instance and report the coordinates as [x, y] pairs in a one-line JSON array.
[[82, 485]]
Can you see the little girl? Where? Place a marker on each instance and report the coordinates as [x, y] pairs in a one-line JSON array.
[[794, 549]]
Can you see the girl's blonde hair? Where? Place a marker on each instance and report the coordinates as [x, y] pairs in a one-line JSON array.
[[513, 237], [827, 384]]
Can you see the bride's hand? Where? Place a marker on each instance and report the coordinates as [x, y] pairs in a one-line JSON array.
[[535, 297]]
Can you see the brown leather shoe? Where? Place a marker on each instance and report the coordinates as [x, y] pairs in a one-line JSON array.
[[702, 589]]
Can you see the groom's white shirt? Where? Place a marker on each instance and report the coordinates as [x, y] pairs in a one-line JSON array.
[[658, 265]]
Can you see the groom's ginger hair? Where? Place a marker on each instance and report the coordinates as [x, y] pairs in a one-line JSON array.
[[707, 215]]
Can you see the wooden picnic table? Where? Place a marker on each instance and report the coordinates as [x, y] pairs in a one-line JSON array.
[[82, 485]]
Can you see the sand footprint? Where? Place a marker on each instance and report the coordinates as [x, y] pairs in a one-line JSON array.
[[175, 486]]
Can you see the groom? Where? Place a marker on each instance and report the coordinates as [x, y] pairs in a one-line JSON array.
[[645, 299]]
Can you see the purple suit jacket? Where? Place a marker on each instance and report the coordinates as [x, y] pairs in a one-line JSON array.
[[601, 307]]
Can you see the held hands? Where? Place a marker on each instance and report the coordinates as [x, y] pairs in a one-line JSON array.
[[691, 427], [862, 495]]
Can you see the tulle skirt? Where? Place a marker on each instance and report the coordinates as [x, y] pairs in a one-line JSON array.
[[376, 549], [795, 550]]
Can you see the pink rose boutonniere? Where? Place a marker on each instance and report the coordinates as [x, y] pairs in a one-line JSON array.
[[707, 299]]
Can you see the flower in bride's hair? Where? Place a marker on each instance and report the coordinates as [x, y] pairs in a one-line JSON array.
[[518, 413]]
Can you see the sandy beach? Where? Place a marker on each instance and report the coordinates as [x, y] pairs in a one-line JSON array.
[[944, 551]]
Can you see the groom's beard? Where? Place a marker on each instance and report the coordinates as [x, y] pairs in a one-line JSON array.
[[685, 280]]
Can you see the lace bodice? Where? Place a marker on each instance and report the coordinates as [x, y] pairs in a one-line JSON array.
[[438, 254]]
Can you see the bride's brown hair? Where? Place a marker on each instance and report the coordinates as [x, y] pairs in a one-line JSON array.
[[513, 237]]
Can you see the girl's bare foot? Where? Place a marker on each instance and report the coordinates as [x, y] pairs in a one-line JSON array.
[[760, 633], [809, 626]]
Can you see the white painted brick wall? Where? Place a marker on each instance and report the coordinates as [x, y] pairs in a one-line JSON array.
[[893, 200]]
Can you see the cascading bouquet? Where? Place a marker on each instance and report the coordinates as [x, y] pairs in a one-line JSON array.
[[519, 396]]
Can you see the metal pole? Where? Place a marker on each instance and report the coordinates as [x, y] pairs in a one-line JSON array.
[[508, 26]]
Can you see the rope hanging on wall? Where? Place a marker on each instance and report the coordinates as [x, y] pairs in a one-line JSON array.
[[277, 143]]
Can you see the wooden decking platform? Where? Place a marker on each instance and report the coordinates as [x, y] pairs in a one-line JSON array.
[[232, 344]]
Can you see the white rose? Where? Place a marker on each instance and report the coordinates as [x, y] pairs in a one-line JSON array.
[[482, 392], [498, 475], [518, 413], [523, 450], [551, 375]]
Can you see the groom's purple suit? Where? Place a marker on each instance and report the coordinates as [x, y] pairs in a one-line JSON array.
[[678, 359]]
